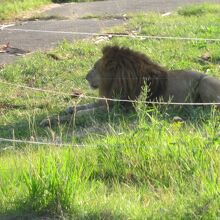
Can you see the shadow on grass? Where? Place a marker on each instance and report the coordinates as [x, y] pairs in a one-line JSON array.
[[95, 215], [24, 129], [79, 127], [107, 215]]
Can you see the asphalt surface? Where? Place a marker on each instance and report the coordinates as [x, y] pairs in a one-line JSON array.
[[113, 7], [45, 34]]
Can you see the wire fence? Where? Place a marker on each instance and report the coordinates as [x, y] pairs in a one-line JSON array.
[[41, 143], [153, 37], [110, 99], [55, 144], [110, 35], [16, 141]]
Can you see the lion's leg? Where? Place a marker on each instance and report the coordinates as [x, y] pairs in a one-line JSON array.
[[74, 109], [77, 111], [55, 120], [209, 90]]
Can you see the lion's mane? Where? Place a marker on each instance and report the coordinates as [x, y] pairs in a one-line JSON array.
[[124, 72]]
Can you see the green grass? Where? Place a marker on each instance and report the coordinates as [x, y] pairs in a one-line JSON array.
[[198, 10], [11, 10], [135, 165]]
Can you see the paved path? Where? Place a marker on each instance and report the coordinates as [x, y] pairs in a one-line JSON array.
[[72, 12], [121, 7]]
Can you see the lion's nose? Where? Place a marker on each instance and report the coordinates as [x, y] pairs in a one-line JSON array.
[[87, 76]]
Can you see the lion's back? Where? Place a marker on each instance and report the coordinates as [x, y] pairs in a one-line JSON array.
[[183, 86]]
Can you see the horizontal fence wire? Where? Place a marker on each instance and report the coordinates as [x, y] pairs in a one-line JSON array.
[[143, 37], [61, 145], [166, 24], [2, 28], [109, 99], [41, 143]]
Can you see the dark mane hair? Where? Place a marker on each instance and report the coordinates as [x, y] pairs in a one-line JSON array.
[[124, 72]]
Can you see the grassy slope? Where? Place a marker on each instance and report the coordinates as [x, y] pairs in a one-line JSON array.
[[143, 165]]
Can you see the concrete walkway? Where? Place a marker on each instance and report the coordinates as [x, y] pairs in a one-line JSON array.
[[48, 35]]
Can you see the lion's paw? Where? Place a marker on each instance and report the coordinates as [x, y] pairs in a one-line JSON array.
[[45, 123]]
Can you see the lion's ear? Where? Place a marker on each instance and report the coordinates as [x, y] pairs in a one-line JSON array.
[[106, 50], [109, 50]]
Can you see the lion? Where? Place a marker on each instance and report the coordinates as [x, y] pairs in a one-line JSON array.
[[121, 73]]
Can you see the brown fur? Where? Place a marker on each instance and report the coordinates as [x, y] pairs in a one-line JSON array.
[[124, 72]]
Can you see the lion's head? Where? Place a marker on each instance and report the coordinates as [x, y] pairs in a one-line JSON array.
[[122, 73], [93, 76]]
